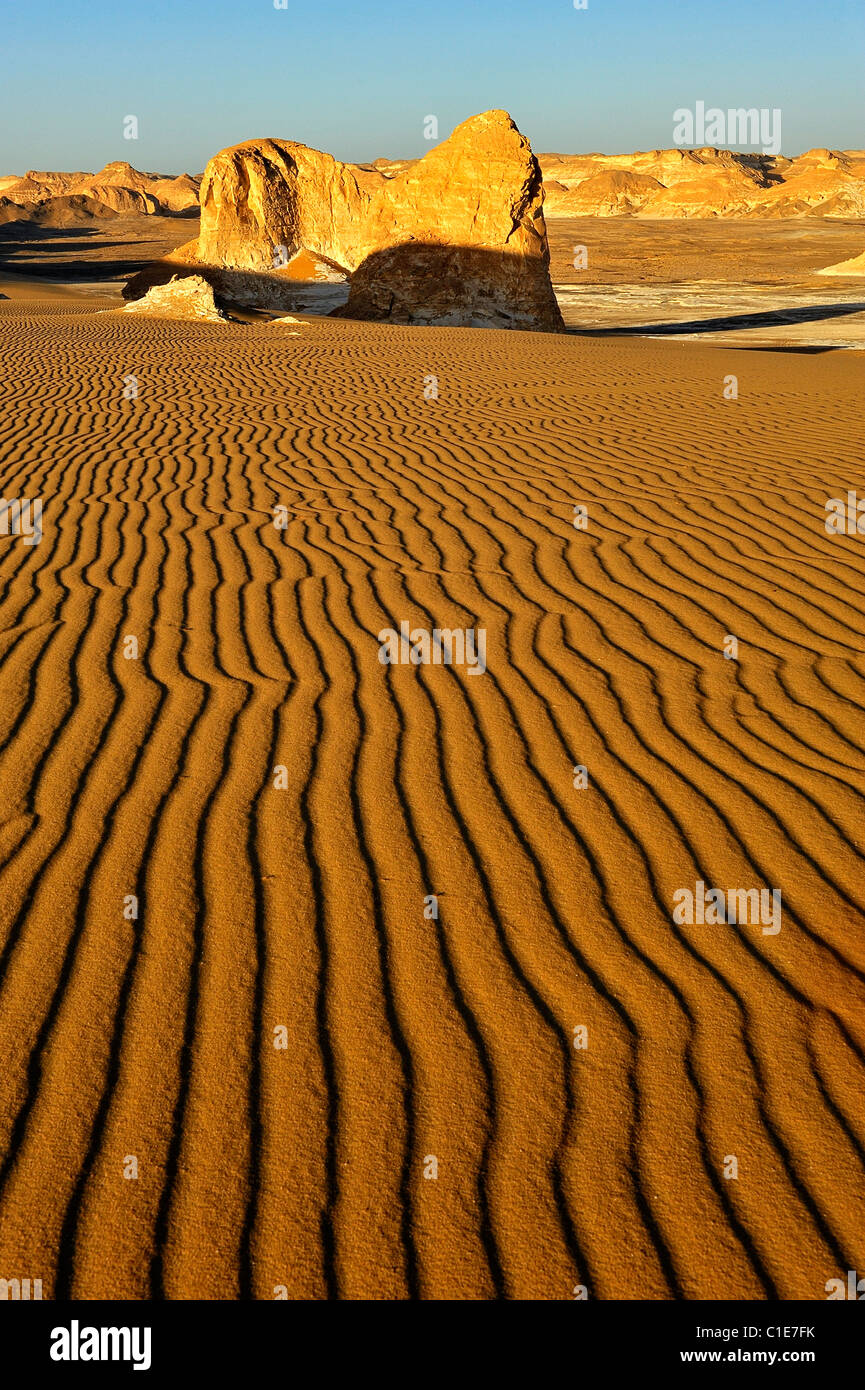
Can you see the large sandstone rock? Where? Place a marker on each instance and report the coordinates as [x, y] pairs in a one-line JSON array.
[[457, 237]]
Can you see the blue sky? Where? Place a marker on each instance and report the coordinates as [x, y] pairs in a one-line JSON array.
[[358, 79]]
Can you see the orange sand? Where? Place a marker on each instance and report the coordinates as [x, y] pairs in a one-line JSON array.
[[261, 1169]]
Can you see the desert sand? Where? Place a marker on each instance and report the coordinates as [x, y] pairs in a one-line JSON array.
[[731, 282], [280, 805]]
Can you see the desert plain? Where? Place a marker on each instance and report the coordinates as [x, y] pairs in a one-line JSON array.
[[321, 977]]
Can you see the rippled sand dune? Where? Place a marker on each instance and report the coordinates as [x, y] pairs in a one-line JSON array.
[[294, 900]]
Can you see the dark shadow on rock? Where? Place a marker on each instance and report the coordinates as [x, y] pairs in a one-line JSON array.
[[435, 284]]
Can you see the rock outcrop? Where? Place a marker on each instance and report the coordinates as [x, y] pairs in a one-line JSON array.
[[457, 237], [12, 212], [856, 266], [189, 297]]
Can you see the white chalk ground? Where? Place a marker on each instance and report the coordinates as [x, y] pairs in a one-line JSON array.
[[770, 316]]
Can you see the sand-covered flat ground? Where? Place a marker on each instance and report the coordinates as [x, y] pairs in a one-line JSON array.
[[753, 283], [288, 908], [727, 281], [111, 250]]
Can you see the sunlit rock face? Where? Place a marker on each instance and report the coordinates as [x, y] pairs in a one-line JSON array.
[[457, 237]]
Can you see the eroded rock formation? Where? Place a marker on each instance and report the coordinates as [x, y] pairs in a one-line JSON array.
[[457, 237]]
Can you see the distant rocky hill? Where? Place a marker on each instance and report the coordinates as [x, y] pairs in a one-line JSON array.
[[64, 210], [118, 187], [705, 183]]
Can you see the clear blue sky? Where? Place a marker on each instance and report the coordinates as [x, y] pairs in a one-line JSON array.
[[358, 79]]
